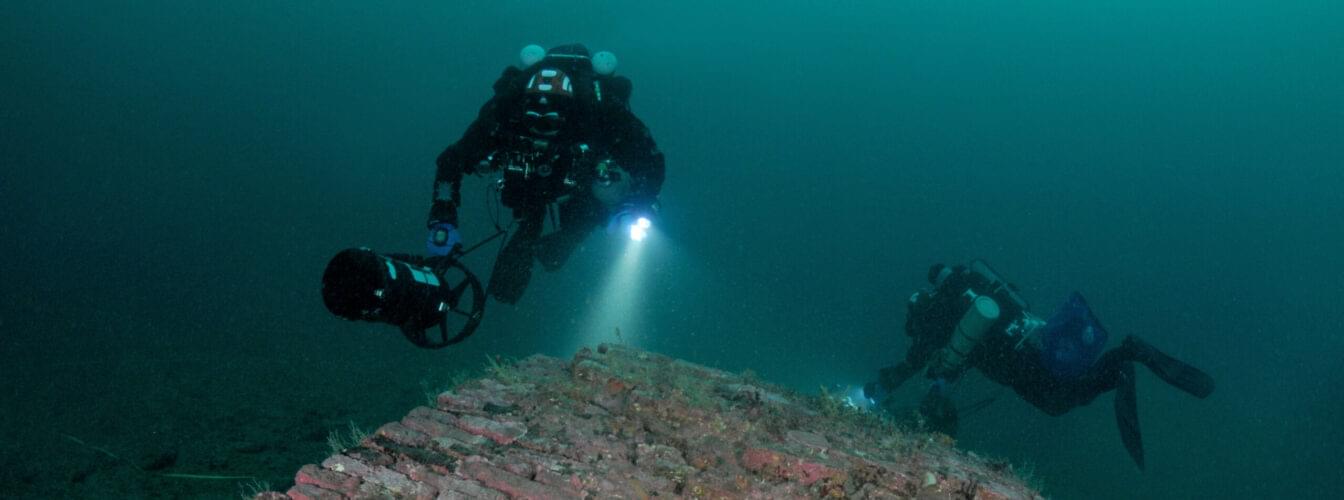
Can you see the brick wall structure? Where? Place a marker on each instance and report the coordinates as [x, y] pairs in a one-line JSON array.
[[618, 422]]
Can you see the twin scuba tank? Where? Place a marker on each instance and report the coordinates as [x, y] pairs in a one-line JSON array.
[[982, 314], [985, 299], [1069, 342]]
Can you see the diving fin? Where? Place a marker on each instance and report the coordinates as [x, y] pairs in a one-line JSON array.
[[512, 271], [1171, 370], [1127, 414]]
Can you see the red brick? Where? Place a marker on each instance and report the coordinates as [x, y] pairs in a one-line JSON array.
[[342, 463], [431, 414], [782, 465], [399, 484], [451, 487], [452, 401], [515, 486], [310, 492], [327, 479], [429, 427], [500, 432], [418, 471], [403, 435]]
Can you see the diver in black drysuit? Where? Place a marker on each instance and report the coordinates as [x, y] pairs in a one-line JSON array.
[[561, 130], [1044, 362]]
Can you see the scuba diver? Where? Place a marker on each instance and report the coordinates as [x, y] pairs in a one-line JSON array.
[[561, 130], [972, 318]]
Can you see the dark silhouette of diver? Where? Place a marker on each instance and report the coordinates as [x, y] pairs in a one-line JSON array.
[[972, 318], [560, 128]]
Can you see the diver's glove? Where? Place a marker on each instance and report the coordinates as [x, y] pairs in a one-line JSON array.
[[874, 392], [443, 238]]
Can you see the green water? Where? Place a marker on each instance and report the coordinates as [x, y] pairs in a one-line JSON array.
[[174, 176]]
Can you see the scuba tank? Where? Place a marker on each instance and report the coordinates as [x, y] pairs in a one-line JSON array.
[[976, 297], [984, 311]]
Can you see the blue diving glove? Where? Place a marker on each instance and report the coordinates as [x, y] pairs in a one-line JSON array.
[[443, 238]]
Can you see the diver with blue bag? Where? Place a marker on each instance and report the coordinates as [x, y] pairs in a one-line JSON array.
[[972, 318]]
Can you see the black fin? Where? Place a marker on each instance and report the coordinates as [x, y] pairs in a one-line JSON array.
[[1173, 371], [554, 249], [1127, 414], [975, 407], [512, 271]]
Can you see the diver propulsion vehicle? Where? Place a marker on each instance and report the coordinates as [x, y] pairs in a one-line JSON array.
[[435, 301]]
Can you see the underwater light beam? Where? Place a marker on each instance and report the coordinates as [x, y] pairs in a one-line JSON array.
[[617, 307]]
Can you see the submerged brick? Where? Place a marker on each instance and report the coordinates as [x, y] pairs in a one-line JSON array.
[[617, 422]]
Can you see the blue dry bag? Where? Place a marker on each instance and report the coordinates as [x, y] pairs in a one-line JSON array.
[[1072, 339]]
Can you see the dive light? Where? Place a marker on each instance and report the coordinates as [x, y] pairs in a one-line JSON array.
[[640, 229]]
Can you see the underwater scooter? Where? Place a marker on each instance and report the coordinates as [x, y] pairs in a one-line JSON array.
[[411, 292]]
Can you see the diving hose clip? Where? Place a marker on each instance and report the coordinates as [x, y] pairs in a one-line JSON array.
[[1025, 328]]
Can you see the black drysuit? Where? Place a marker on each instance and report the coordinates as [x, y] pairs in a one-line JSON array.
[[1008, 360], [931, 318], [600, 127]]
